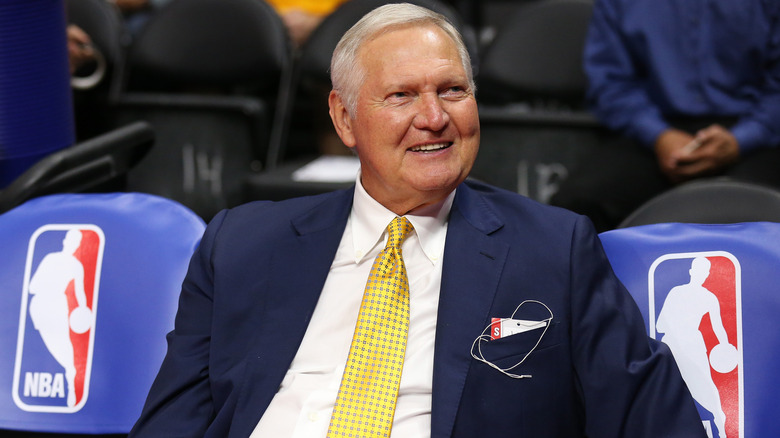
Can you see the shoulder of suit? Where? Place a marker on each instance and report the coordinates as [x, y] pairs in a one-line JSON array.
[[503, 199], [269, 221], [291, 207]]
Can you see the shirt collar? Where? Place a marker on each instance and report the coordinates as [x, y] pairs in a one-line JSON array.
[[369, 220]]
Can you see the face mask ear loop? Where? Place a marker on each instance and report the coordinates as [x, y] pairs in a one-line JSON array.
[[484, 337]]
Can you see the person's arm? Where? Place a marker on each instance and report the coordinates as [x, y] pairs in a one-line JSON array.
[[180, 402], [80, 50], [716, 321], [761, 128], [616, 92], [78, 284], [630, 383]]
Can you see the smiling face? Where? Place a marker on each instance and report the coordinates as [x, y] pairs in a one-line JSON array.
[[416, 127]]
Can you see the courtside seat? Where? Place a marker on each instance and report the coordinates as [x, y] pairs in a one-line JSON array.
[[709, 291], [90, 288]]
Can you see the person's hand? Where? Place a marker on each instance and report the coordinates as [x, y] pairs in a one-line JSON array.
[[668, 149], [80, 50], [683, 157]]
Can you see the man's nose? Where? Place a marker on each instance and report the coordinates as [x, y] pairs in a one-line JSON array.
[[431, 116]]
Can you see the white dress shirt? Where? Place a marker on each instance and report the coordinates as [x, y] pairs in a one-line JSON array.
[[303, 404]]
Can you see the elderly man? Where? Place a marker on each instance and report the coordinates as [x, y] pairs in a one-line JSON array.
[[484, 314]]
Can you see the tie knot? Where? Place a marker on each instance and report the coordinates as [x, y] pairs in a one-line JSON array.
[[398, 229]]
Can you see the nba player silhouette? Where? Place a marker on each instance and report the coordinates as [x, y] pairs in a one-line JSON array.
[[679, 320], [49, 305]]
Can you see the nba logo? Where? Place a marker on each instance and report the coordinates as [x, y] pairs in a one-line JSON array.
[[57, 318], [696, 309]]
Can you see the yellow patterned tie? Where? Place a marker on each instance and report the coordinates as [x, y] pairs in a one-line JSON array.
[[366, 402]]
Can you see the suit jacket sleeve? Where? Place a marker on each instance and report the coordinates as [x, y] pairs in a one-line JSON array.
[[179, 403], [631, 386]]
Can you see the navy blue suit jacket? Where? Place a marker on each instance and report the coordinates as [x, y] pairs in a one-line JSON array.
[[254, 282]]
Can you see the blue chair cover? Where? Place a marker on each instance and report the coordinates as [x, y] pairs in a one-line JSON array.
[[697, 285], [122, 257]]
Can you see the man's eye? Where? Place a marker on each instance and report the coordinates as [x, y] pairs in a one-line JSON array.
[[454, 91], [397, 97]]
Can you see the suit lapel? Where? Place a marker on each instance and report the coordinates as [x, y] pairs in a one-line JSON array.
[[311, 246], [473, 261]]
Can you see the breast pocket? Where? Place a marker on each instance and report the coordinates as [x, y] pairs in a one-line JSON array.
[[510, 350]]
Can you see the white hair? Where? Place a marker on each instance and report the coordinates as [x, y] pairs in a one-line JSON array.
[[346, 71]]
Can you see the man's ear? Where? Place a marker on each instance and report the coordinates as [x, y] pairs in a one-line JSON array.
[[341, 119]]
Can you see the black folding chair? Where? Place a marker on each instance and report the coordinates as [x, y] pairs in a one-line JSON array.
[[206, 75], [709, 201]]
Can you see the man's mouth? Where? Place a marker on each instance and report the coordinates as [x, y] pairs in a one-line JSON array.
[[431, 147]]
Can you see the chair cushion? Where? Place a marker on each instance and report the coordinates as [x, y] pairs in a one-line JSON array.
[[687, 279], [128, 253]]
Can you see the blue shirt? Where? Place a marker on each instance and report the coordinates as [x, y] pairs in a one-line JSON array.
[[649, 60]]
